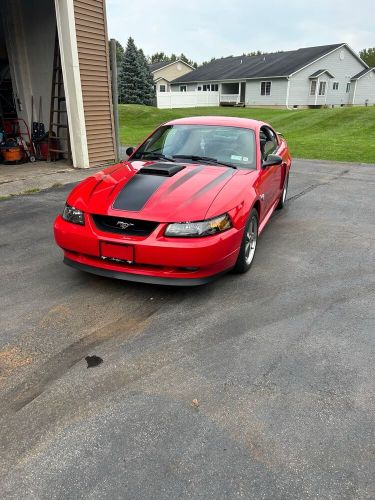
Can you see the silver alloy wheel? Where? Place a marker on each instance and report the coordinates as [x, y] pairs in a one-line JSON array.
[[251, 240]]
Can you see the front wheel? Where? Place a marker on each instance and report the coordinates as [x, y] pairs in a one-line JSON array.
[[248, 245]]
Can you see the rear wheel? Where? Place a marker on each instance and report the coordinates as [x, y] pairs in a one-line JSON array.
[[282, 200], [248, 245]]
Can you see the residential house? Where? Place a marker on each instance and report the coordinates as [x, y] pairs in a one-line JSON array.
[[32, 34], [328, 75], [166, 71]]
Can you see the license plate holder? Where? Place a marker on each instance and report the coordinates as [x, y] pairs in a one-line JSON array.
[[116, 251]]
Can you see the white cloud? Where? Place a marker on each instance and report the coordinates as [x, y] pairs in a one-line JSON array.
[[202, 29]]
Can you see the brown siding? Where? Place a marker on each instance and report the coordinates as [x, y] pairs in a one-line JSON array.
[[92, 41]]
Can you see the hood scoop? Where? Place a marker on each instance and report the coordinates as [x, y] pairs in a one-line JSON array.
[[161, 169]]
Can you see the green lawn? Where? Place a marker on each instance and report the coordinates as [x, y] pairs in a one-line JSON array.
[[342, 134]]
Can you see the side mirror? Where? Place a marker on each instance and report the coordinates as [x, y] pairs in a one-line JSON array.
[[272, 160], [129, 151]]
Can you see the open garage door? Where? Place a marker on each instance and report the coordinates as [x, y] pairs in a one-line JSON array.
[[33, 111], [63, 86]]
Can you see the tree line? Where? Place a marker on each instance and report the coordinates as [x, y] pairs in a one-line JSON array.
[[135, 80], [368, 55]]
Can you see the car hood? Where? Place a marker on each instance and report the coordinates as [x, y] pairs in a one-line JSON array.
[[123, 190]]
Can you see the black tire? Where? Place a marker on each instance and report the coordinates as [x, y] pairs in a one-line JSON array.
[[248, 245], [282, 200]]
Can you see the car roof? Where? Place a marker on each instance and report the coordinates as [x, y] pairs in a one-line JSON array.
[[228, 121]]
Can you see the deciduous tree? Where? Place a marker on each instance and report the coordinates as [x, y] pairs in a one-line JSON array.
[[162, 57], [368, 55]]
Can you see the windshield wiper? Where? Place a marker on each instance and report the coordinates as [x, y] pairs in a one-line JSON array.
[[206, 159], [157, 155]]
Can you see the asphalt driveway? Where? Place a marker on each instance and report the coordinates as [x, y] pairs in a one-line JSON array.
[[280, 361]]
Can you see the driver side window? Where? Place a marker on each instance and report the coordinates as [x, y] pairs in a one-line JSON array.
[[268, 142]]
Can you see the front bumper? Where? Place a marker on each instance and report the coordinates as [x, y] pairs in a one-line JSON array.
[[141, 278], [157, 259]]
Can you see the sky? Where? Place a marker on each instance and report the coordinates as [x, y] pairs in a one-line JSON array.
[[202, 29]]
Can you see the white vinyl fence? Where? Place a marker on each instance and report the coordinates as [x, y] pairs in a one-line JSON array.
[[186, 99]]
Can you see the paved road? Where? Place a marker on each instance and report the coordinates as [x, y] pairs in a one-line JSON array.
[[281, 361]]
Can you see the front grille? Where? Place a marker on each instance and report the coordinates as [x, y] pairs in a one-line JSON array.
[[136, 227]]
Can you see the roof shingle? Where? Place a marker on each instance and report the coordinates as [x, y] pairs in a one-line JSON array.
[[158, 65], [266, 65], [362, 73]]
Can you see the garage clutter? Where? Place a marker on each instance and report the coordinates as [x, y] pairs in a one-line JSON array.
[[18, 145]]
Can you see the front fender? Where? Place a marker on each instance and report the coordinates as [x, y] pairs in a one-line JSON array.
[[236, 198]]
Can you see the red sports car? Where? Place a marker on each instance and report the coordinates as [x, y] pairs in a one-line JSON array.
[[187, 206]]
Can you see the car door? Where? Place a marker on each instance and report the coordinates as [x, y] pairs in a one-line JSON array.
[[270, 177]]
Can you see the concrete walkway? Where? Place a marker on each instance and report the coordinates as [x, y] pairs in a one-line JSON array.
[[29, 178], [33, 177]]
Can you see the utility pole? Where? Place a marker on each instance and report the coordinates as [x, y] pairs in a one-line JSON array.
[[112, 54]]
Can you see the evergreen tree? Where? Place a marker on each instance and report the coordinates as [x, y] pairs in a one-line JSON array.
[[135, 77], [148, 86], [119, 60], [119, 54]]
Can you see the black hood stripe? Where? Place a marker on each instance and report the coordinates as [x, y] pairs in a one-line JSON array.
[[183, 179], [135, 194], [228, 173]]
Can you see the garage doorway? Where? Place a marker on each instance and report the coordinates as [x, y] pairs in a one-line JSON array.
[[33, 114]]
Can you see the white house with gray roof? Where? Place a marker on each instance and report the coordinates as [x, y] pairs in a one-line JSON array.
[[328, 75]]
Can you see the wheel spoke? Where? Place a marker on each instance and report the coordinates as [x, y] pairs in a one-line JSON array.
[[251, 240]]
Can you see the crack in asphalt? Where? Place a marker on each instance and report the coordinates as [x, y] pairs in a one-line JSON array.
[[319, 184]]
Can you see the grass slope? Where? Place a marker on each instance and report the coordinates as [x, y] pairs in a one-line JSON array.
[[342, 134]]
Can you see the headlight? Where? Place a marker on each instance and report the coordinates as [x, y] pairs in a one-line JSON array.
[[73, 215], [198, 229]]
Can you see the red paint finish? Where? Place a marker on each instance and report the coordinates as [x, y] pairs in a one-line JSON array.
[[197, 192]]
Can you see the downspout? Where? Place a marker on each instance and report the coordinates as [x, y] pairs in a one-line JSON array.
[[114, 84]]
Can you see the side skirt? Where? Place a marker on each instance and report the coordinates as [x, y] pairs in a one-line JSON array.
[[267, 216]]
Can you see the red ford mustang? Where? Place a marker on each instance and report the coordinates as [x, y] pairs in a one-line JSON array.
[[187, 206]]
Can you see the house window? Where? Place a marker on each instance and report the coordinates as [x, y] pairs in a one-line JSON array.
[[214, 87], [313, 87], [199, 87], [182, 88], [335, 85], [322, 88], [265, 88], [206, 87], [348, 87], [161, 88]]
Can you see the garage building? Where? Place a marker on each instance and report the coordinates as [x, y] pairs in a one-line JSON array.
[[54, 70]]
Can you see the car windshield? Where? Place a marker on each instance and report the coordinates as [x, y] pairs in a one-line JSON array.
[[230, 145]]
